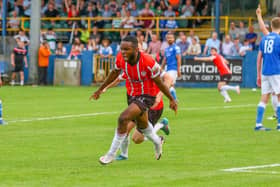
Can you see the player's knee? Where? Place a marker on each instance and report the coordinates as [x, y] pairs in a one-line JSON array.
[[123, 119]]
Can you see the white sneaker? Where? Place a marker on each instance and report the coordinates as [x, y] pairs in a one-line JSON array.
[[238, 90], [12, 83], [106, 159], [227, 100], [158, 148]]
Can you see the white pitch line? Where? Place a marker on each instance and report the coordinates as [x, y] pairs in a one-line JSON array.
[[115, 112], [248, 169]]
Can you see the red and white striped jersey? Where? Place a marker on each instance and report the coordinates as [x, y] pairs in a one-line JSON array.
[[159, 106], [139, 76], [221, 65]]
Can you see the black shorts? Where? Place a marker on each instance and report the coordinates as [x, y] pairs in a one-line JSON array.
[[226, 78], [18, 68], [144, 102], [154, 116]]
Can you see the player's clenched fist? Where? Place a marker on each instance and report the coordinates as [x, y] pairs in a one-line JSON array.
[[173, 105]]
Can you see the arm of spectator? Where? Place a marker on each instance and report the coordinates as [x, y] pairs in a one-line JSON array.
[[205, 49], [25, 61], [260, 20], [46, 52], [259, 67], [152, 24], [78, 6], [13, 59], [66, 5]]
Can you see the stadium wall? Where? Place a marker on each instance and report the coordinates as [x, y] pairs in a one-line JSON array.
[[249, 71]]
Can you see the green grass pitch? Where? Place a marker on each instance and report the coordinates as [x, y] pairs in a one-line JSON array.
[[55, 137]]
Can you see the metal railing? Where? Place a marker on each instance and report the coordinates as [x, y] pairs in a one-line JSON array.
[[102, 66]]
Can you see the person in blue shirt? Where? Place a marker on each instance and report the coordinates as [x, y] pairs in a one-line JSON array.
[[268, 71], [172, 58], [212, 42]]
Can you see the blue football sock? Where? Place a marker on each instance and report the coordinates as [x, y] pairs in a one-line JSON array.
[[260, 113], [278, 113]]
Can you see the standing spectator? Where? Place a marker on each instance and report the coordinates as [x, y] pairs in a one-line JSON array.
[[27, 8], [96, 35], [72, 10], [233, 31], [251, 36], [194, 48], [113, 5], [134, 11], [246, 47], [60, 49], [212, 42], [105, 49], [85, 34], [183, 44], [18, 59], [227, 46], [50, 37], [236, 47], [22, 37], [44, 53], [154, 45], [191, 36], [242, 31]]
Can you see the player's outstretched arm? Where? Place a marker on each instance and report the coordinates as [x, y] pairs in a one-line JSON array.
[[260, 20], [201, 59], [165, 91], [111, 77]]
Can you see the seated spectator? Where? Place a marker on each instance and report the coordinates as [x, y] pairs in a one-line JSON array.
[[113, 6], [124, 9], [127, 23], [107, 13], [246, 47], [90, 11], [22, 37], [233, 31], [242, 31], [212, 42], [14, 21], [192, 35], [105, 49], [60, 49], [154, 45], [251, 36], [236, 47], [147, 12], [170, 24], [227, 46], [178, 39], [183, 44], [96, 35], [187, 11], [169, 12], [201, 9], [133, 10], [51, 12], [194, 48], [76, 49]]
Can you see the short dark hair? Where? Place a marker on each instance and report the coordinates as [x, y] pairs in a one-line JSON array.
[[131, 39]]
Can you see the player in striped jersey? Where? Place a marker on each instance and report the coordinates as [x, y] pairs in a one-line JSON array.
[[143, 77], [225, 74]]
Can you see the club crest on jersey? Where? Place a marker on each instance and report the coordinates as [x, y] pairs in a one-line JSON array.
[[143, 73]]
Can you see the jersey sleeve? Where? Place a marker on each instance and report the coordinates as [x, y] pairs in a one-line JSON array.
[[178, 50], [122, 77], [153, 67], [118, 61]]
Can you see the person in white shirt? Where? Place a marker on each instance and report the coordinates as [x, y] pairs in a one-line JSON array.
[[246, 47], [227, 45]]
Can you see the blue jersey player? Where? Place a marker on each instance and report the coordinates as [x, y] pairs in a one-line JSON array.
[[270, 71], [172, 58]]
